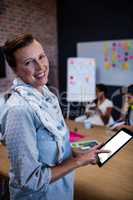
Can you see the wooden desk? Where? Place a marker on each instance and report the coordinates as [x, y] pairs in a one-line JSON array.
[[4, 169], [4, 162], [114, 181]]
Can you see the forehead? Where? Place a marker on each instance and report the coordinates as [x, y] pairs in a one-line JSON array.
[[98, 90], [31, 50]]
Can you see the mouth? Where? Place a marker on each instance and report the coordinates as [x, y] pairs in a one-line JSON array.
[[40, 75]]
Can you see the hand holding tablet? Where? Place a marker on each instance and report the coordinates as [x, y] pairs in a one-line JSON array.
[[114, 144]]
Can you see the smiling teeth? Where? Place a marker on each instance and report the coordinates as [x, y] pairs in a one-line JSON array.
[[40, 75]]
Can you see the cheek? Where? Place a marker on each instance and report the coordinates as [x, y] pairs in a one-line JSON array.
[[48, 69], [26, 72]]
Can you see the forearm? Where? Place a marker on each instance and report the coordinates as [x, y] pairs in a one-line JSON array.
[[64, 168], [79, 160], [129, 127], [105, 118]]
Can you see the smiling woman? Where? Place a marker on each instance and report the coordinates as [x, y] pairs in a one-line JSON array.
[[34, 130]]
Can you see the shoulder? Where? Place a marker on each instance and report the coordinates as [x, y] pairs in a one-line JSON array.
[[108, 103], [16, 107], [15, 99]]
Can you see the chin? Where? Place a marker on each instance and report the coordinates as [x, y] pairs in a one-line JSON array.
[[42, 83]]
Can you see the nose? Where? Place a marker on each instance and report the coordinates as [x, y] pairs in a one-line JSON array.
[[40, 66]]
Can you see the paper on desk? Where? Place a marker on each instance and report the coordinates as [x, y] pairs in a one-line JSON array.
[[116, 124], [86, 144], [75, 136]]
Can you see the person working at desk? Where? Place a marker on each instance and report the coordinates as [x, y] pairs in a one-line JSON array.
[[34, 131], [128, 118], [98, 113]]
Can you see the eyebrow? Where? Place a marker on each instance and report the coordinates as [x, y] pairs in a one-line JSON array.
[[30, 58], [27, 59]]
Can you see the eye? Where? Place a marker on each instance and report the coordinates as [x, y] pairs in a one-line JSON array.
[[42, 56], [27, 63]]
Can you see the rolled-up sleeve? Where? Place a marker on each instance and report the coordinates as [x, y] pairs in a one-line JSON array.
[[26, 172]]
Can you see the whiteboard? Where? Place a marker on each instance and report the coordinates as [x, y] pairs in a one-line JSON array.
[[81, 79], [114, 60]]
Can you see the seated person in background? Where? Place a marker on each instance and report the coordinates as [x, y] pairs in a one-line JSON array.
[[100, 112], [129, 115], [124, 108]]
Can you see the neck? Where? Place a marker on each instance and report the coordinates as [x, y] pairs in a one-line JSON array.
[[101, 99], [40, 89]]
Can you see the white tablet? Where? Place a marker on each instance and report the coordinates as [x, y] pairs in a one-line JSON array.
[[114, 144]]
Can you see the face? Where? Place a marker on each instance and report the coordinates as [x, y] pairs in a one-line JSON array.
[[99, 93], [130, 99], [32, 65]]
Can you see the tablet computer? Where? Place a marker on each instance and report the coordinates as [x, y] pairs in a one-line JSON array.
[[114, 144]]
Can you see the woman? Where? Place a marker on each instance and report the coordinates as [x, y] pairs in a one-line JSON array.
[[99, 112], [104, 106], [34, 130], [128, 118]]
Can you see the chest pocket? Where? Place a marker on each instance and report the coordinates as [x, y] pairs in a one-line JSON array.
[[48, 150]]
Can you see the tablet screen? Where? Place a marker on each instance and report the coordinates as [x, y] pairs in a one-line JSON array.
[[114, 144]]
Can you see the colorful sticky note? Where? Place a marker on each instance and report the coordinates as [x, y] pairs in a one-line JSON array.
[[125, 46], [87, 78], [125, 65], [114, 57], [107, 65]]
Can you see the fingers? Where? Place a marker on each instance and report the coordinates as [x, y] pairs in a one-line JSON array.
[[103, 151], [99, 150], [116, 128], [97, 146], [91, 156]]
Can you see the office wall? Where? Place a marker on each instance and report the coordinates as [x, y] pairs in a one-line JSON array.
[[37, 17], [84, 21]]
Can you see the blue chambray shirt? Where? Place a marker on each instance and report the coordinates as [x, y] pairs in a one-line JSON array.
[[32, 152]]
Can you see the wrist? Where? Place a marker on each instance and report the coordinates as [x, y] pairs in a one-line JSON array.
[[76, 162]]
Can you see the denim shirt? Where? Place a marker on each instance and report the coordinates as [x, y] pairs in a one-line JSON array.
[[32, 152]]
